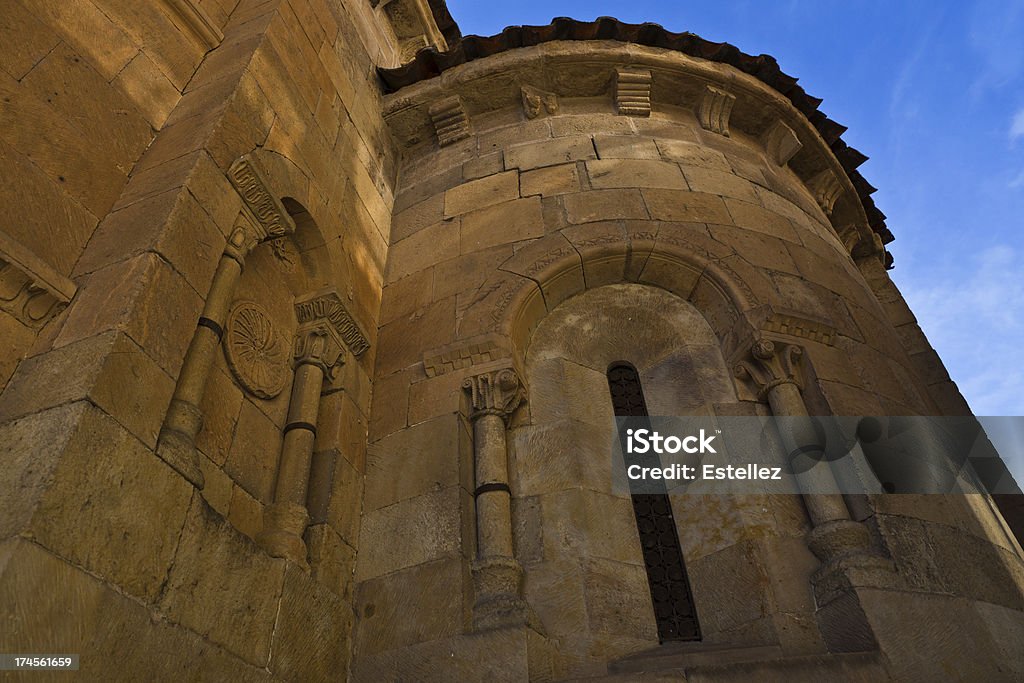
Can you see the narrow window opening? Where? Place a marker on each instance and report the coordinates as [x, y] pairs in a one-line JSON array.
[[674, 611]]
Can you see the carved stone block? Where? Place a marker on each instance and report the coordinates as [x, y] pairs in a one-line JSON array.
[[781, 143], [450, 120], [30, 290], [633, 92], [537, 102], [714, 109], [255, 351], [826, 189]]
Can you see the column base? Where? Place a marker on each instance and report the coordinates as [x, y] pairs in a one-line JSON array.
[[848, 560], [178, 451], [497, 582], [283, 527]]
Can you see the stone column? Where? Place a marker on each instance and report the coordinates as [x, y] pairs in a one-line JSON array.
[[262, 217], [497, 576], [774, 372], [184, 419], [319, 347]]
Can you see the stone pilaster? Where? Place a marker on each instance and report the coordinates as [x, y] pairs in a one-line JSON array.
[[319, 349], [497, 575]]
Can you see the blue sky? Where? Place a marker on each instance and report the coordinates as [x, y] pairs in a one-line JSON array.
[[933, 92]]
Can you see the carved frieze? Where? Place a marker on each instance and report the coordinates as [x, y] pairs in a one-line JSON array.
[[793, 326], [537, 102], [781, 143], [30, 290], [633, 92], [450, 120], [498, 392], [714, 109], [255, 350], [456, 357]]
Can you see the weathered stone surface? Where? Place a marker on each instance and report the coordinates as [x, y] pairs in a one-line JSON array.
[[613, 173], [511, 221], [550, 181], [549, 153], [600, 205], [215, 564], [479, 194], [678, 205]]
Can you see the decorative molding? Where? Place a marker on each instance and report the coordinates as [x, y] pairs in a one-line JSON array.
[[633, 92], [255, 351], [794, 326], [268, 218], [826, 189], [30, 290], [869, 246], [537, 101], [714, 109], [326, 306], [450, 120], [781, 143], [770, 366], [448, 359], [498, 392], [196, 22]]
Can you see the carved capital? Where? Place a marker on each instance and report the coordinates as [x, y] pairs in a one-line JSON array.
[[317, 343], [498, 392], [714, 109], [633, 92], [326, 306], [263, 217], [769, 366]]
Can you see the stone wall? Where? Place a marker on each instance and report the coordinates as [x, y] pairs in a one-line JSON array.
[[123, 127], [524, 191]]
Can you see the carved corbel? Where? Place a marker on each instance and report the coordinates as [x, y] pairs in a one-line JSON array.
[[781, 143], [714, 109], [769, 367], [537, 101], [826, 189], [30, 290], [633, 92], [451, 123]]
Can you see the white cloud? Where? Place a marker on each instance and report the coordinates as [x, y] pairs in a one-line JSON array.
[[974, 318], [1017, 126]]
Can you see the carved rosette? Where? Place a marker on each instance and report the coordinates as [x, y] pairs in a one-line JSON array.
[[255, 351], [498, 392], [770, 366]]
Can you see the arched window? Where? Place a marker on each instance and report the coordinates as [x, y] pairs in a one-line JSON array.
[[674, 610]]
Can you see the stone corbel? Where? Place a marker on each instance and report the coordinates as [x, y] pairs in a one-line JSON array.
[[714, 109], [30, 290], [537, 102], [451, 122], [633, 92], [826, 188], [781, 143]]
